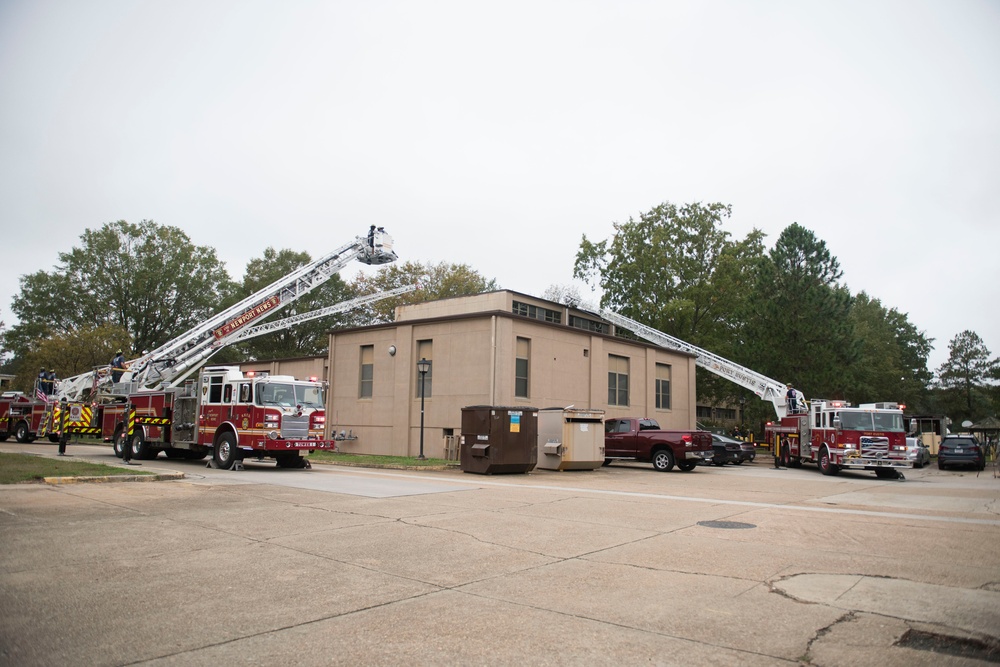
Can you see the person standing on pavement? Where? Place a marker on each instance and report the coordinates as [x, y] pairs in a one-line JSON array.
[[780, 448]]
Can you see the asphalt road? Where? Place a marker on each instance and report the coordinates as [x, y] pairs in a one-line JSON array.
[[740, 565]]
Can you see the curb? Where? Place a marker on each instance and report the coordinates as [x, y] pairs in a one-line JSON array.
[[380, 466], [81, 479]]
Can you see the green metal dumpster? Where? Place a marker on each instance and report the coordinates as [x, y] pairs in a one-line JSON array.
[[570, 439], [498, 439]]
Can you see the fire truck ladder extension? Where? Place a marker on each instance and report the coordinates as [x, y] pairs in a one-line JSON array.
[[278, 325], [172, 362], [764, 387]]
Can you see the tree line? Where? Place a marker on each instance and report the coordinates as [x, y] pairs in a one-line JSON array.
[[782, 311]]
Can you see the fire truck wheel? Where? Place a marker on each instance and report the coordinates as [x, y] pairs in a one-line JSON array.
[[4, 435], [886, 473], [141, 449], [21, 433], [663, 460], [826, 466], [196, 454], [118, 442], [53, 438], [226, 453]]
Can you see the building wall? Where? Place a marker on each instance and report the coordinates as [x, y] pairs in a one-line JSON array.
[[473, 342]]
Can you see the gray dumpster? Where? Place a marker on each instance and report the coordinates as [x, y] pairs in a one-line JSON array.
[[570, 439], [498, 439]]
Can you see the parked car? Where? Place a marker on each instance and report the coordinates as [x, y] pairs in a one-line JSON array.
[[963, 450], [725, 450], [917, 452], [748, 451]]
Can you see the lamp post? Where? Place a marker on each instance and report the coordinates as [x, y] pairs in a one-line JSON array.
[[423, 366]]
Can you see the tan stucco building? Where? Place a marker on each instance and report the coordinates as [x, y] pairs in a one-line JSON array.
[[498, 348]]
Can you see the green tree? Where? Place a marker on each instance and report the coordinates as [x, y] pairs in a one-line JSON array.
[[676, 270], [145, 278], [437, 281], [798, 328], [892, 355], [305, 339], [72, 352], [665, 269], [966, 376]]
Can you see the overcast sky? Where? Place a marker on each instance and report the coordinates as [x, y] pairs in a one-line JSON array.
[[495, 134]]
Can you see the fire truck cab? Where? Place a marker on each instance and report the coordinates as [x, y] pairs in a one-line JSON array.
[[835, 435], [229, 414]]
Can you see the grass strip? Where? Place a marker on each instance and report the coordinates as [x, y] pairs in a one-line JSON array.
[[18, 468]]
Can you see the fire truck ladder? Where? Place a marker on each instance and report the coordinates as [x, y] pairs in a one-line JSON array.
[[344, 306], [172, 362], [763, 386]]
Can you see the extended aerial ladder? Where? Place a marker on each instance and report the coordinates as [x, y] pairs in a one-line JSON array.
[[169, 364], [763, 386]]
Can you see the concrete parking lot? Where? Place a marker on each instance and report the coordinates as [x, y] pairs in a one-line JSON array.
[[739, 565]]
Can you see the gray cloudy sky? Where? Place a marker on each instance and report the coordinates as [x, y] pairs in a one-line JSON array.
[[497, 133]]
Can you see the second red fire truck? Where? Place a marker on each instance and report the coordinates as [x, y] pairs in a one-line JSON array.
[[830, 434]]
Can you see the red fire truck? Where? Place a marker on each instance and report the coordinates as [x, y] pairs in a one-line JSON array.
[[20, 416], [835, 435], [154, 406], [226, 412], [27, 419], [831, 434]]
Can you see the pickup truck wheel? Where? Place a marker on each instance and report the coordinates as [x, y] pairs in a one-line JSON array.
[[226, 453], [607, 462], [687, 466], [663, 460]]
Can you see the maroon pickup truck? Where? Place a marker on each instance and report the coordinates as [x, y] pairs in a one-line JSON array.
[[642, 440]]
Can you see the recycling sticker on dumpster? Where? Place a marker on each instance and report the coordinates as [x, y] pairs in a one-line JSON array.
[[515, 422]]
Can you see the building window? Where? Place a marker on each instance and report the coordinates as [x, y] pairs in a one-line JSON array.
[[521, 357], [425, 350], [703, 412], [537, 312], [367, 371], [662, 387], [617, 380], [588, 325]]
